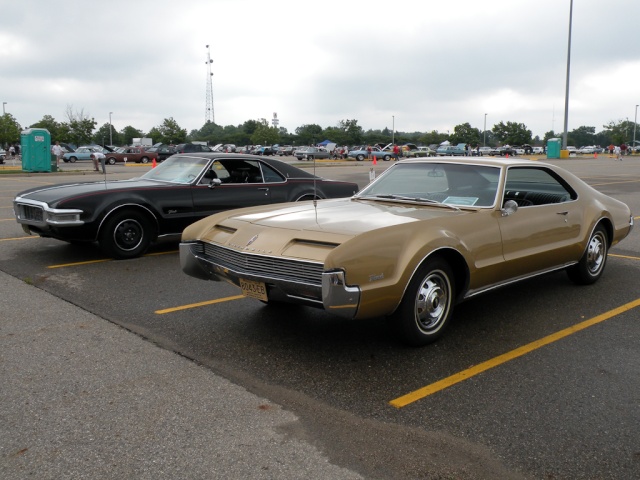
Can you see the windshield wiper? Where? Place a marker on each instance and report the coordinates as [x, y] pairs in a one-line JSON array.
[[413, 199]]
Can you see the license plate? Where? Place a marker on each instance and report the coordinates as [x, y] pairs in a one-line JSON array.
[[254, 289]]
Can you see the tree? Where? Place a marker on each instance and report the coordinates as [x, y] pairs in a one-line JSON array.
[[59, 131], [354, 132], [9, 130], [80, 126], [128, 133], [619, 132], [264, 134], [169, 132], [512, 133], [309, 134], [433, 138], [582, 136], [107, 134], [465, 133]]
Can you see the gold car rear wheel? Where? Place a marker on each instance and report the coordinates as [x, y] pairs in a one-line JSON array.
[[427, 305], [590, 267]]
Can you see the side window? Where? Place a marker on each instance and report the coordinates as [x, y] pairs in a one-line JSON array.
[[270, 175], [221, 172], [536, 186]]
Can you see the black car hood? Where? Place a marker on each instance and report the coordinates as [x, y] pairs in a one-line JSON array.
[[64, 192]]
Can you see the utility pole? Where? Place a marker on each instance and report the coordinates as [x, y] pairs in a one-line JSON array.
[[209, 115]]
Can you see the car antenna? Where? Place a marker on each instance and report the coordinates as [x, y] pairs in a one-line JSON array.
[[315, 188]]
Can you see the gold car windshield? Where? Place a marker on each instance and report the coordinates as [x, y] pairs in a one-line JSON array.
[[452, 184]]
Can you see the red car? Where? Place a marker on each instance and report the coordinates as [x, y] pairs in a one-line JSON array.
[[131, 154]]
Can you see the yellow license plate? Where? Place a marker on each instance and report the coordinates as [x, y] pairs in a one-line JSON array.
[[254, 289]]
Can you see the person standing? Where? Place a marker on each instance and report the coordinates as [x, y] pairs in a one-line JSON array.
[[623, 149], [58, 151], [618, 151], [396, 151]]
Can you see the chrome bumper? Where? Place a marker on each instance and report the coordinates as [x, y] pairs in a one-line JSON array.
[[334, 295]]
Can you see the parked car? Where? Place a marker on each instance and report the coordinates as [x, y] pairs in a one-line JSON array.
[[312, 153], [450, 150], [131, 154], [285, 150], [126, 216], [264, 151], [83, 153], [482, 151], [424, 235], [162, 151], [418, 152], [191, 148], [360, 153], [506, 150], [537, 150]]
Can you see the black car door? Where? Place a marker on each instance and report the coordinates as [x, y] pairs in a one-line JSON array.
[[241, 184]]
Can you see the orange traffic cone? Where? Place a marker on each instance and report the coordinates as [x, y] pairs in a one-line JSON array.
[[507, 155], [375, 160], [595, 154], [153, 163]]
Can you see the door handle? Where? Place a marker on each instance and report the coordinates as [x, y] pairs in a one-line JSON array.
[[566, 212]]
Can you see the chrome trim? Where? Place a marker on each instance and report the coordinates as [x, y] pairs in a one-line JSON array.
[[337, 296], [195, 261], [473, 293], [48, 214]]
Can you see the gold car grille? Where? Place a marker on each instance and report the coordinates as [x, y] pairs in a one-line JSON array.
[[263, 266]]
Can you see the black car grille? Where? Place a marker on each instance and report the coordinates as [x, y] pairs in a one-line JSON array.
[[29, 212], [264, 266]]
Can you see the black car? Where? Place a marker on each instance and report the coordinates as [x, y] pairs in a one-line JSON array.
[[191, 148], [126, 216], [163, 151]]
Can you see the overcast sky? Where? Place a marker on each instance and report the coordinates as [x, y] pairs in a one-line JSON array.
[[414, 64]]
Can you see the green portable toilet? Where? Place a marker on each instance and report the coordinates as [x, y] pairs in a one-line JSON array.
[[553, 148], [35, 147]]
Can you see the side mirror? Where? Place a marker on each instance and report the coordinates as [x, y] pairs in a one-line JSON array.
[[510, 207], [215, 182]]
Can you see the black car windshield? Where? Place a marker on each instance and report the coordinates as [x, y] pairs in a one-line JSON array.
[[177, 169], [448, 183]]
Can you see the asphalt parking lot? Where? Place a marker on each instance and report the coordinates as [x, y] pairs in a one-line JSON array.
[[536, 380]]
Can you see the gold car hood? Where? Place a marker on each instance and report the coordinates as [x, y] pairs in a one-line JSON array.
[[343, 216], [303, 230]]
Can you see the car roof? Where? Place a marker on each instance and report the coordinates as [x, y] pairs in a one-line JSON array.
[[493, 162]]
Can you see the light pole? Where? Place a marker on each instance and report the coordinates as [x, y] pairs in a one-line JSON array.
[[3, 104], [393, 129], [635, 121], [484, 132], [566, 95], [110, 134]]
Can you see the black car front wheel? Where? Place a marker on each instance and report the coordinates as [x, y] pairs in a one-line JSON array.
[[126, 234]]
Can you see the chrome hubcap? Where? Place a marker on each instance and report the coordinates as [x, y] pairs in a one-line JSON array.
[[596, 253], [432, 302]]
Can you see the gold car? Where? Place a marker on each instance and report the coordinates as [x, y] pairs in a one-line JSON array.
[[423, 236]]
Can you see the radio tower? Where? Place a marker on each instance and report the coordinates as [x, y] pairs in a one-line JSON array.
[[208, 113]]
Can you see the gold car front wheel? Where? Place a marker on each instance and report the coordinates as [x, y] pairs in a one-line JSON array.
[[427, 305]]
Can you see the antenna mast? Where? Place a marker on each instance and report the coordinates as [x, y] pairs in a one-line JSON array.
[[208, 114]]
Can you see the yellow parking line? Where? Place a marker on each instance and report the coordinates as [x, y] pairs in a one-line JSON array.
[[624, 256], [75, 264], [88, 262], [423, 392], [15, 238], [200, 304]]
